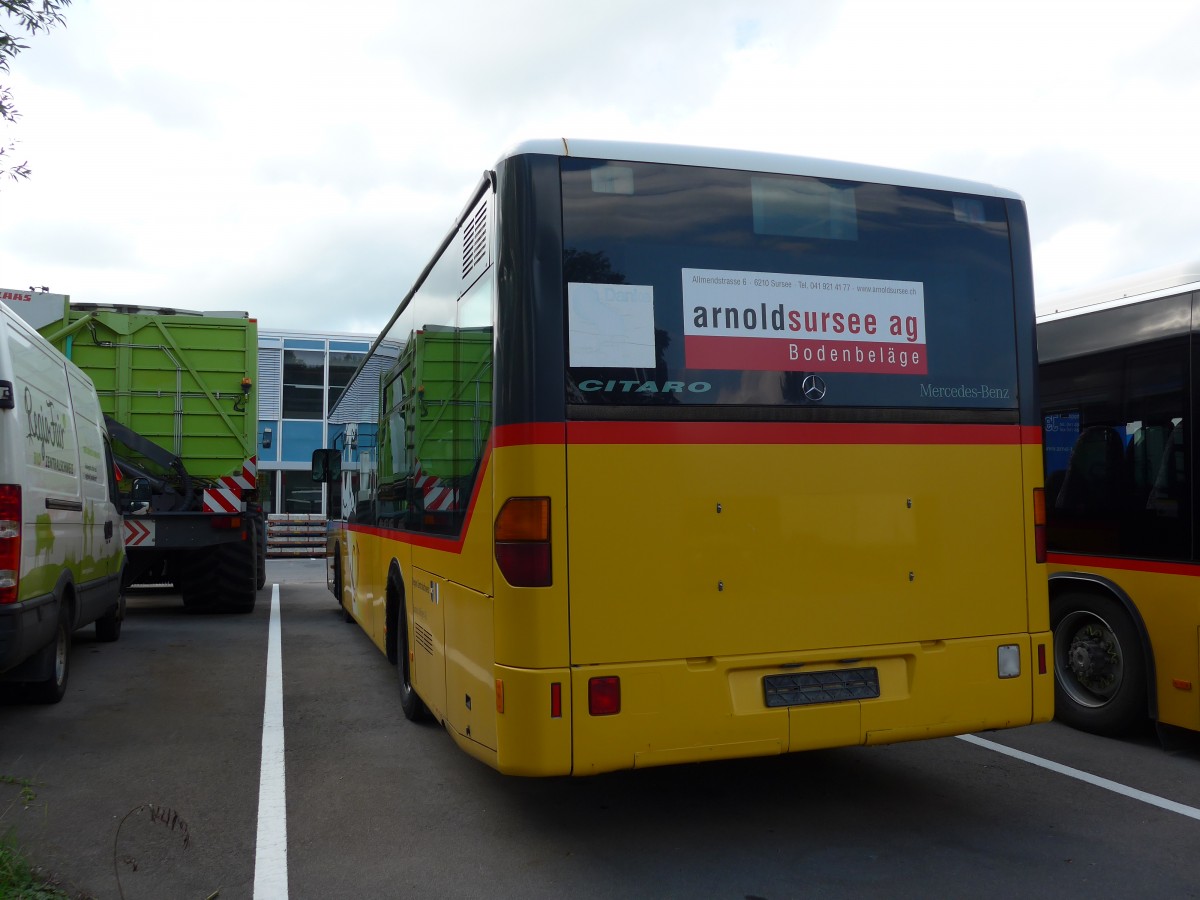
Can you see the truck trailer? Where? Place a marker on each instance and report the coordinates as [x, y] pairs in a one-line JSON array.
[[177, 390]]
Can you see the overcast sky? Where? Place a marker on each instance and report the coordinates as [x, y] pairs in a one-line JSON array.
[[302, 160]]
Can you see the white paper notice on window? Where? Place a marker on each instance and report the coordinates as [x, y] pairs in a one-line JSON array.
[[612, 325]]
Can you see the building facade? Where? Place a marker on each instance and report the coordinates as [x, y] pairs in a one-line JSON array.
[[301, 376]]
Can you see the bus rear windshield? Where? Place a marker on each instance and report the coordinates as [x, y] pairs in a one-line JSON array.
[[705, 286]]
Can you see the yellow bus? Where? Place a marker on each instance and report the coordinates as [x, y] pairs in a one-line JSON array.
[[1118, 385], [689, 454]]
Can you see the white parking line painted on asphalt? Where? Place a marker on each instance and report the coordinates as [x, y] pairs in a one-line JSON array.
[[1117, 788], [270, 855]]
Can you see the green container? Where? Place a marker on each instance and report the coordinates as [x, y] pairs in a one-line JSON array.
[[184, 380]]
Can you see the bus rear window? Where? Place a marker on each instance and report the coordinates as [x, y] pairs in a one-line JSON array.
[[803, 208], [715, 287]]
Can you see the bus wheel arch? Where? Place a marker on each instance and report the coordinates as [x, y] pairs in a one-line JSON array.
[[1103, 663]]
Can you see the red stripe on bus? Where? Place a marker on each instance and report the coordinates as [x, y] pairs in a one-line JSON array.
[[529, 433], [797, 433], [760, 433], [1158, 567]]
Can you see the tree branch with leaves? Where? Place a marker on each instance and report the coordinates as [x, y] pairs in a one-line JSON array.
[[22, 19]]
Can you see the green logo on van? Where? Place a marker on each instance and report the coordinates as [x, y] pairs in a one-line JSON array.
[[49, 428]]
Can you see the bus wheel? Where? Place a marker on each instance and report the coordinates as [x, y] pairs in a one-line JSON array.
[[338, 590], [1099, 669], [414, 708]]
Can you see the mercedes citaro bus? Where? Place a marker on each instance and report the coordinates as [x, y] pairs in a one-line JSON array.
[[688, 454]]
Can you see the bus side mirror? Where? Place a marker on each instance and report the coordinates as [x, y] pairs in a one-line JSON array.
[[326, 466]]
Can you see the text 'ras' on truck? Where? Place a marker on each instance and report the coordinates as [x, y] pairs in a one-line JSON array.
[[179, 399]]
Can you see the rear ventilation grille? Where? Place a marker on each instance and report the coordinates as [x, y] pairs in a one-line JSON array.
[[475, 239]]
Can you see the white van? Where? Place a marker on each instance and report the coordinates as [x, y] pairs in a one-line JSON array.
[[61, 535]]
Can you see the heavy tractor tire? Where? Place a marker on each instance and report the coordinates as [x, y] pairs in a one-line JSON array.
[[236, 573], [260, 550]]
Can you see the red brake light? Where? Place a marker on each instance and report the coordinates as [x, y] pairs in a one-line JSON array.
[[604, 695], [522, 541], [10, 542]]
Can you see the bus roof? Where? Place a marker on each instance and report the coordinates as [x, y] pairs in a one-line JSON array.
[[751, 161], [1137, 288]]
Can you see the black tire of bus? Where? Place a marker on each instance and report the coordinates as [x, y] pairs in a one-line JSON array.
[[338, 590], [1099, 666], [55, 687], [413, 706]]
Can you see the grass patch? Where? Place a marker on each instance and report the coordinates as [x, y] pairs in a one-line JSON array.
[[21, 881]]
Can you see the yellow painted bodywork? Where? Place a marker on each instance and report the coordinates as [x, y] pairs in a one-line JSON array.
[[1169, 605], [691, 572]]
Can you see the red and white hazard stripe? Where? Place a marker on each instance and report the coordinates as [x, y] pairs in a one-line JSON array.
[[244, 480], [222, 500]]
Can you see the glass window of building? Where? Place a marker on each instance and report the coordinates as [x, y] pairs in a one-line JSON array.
[[303, 384], [342, 365]]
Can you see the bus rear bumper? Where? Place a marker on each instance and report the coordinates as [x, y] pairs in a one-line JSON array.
[[692, 710]]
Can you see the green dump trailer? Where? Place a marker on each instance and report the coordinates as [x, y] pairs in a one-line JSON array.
[[177, 389]]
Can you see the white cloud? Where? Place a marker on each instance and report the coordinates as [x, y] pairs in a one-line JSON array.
[[275, 155]]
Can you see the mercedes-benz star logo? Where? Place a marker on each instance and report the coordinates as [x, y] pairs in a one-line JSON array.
[[813, 387]]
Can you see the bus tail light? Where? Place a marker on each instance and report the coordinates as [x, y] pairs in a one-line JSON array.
[[604, 695], [1041, 659], [1039, 524], [10, 541], [556, 700], [522, 538]]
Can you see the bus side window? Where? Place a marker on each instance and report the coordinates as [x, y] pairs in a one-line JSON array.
[[1094, 474]]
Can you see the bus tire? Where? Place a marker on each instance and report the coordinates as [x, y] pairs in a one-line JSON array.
[[414, 708], [338, 590], [52, 689], [1099, 666]]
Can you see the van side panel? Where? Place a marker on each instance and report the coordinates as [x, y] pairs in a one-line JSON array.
[[52, 503], [103, 546]]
